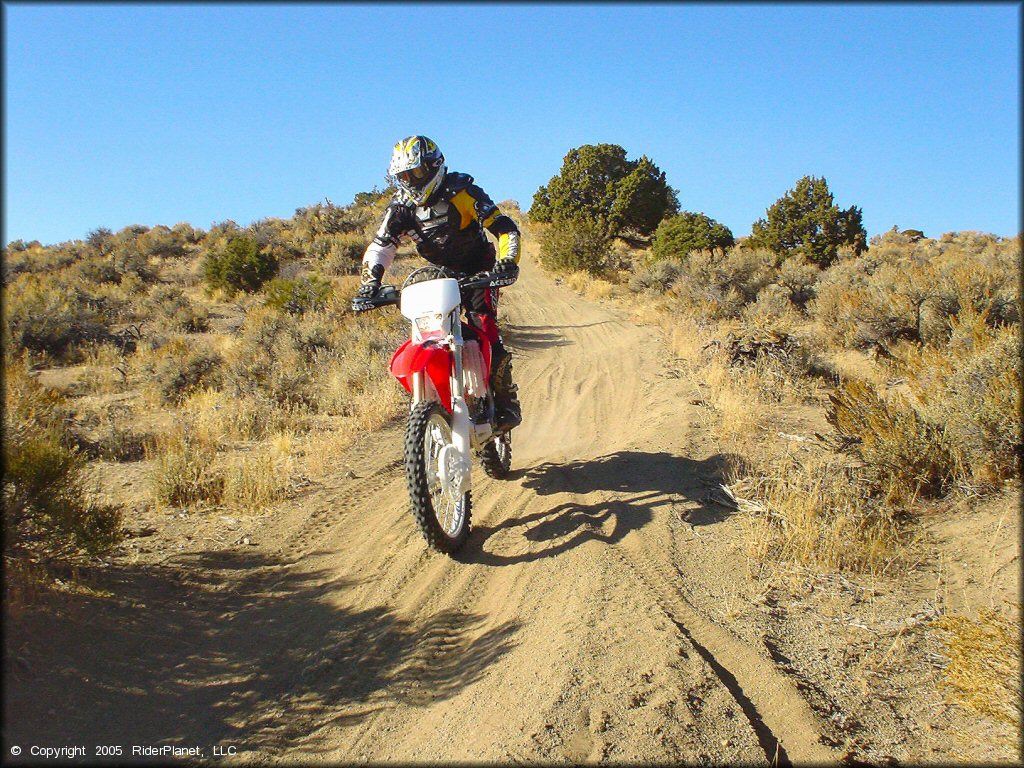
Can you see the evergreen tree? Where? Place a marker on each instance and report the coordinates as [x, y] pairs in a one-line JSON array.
[[807, 221]]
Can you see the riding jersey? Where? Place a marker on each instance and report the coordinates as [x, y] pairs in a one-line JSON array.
[[448, 230]]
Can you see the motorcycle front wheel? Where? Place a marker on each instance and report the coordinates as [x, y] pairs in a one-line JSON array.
[[496, 456], [443, 518]]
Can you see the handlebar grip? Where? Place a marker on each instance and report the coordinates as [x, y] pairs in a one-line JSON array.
[[388, 294]]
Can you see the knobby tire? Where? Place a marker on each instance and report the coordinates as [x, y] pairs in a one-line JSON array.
[[419, 491]]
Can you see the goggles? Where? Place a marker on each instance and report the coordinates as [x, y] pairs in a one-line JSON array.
[[414, 177]]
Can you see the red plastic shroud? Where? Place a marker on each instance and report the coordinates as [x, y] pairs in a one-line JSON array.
[[435, 360]]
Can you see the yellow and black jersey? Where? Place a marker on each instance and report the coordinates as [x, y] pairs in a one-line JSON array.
[[448, 230]]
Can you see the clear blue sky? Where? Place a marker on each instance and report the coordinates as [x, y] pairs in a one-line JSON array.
[[155, 114]]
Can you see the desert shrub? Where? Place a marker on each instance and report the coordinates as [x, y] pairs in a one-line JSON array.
[[657, 278], [325, 219], [577, 244], [169, 308], [47, 511], [186, 233], [799, 276], [98, 270], [913, 290], [162, 243], [239, 266], [35, 257], [676, 236], [271, 356], [972, 386], [744, 270], [100, 240], [340, 254], [721, 287], [128, 257], [45, 315], [768, 339], [905, 454], [298, 295], [181, 367], [765, 328], [273, 237]]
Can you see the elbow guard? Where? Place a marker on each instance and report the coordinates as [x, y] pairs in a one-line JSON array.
[[508, 237], [508, 246]]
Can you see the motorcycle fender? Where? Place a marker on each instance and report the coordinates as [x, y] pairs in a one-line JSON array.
[[434, 361]]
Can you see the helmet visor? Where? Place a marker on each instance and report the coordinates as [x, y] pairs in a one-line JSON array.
[[414, 177]]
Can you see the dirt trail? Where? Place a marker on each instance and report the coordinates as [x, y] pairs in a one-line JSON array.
[[563, 632]]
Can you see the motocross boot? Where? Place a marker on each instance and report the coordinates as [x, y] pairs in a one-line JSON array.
[[508, 412]]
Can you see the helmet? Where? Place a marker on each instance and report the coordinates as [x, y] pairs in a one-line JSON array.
[[417, 166]]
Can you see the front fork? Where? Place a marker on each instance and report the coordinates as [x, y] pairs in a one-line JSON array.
[[461, 424]]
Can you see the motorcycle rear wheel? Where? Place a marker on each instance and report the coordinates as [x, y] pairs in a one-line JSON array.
[[443, 519]]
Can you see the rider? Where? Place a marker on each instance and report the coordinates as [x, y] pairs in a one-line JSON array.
[[445, 214]]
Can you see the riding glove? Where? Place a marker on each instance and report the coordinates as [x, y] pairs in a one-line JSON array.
[[506, 268], [371, 281]]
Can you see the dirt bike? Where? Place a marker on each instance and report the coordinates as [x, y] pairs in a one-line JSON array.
[[445, 366]]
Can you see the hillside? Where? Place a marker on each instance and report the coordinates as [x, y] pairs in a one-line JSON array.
[[612, 604]]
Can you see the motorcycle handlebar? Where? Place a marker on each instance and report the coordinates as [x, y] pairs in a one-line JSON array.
[[390, 294]]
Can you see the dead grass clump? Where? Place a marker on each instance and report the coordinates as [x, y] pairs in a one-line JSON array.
[[984, 669], [738, 414], [589, 286], [217, 417], [185, 470], [255, 480], [816, 511]]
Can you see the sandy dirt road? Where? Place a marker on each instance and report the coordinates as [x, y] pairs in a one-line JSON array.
[[561, 633]]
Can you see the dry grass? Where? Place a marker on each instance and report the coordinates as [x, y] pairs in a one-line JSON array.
[[256, 480], [589, 286], [184, 470], [818, 512], [984, 670]]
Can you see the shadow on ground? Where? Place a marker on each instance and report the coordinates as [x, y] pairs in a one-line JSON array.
[[523, 337], [226, 648], [631, 485]]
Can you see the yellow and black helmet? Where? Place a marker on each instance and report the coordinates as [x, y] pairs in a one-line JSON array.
[[417, 167]]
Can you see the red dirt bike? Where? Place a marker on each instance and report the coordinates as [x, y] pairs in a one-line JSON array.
[[445, 366]]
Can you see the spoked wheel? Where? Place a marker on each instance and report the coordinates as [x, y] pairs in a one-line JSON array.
[[496, 456], [440, 511]]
